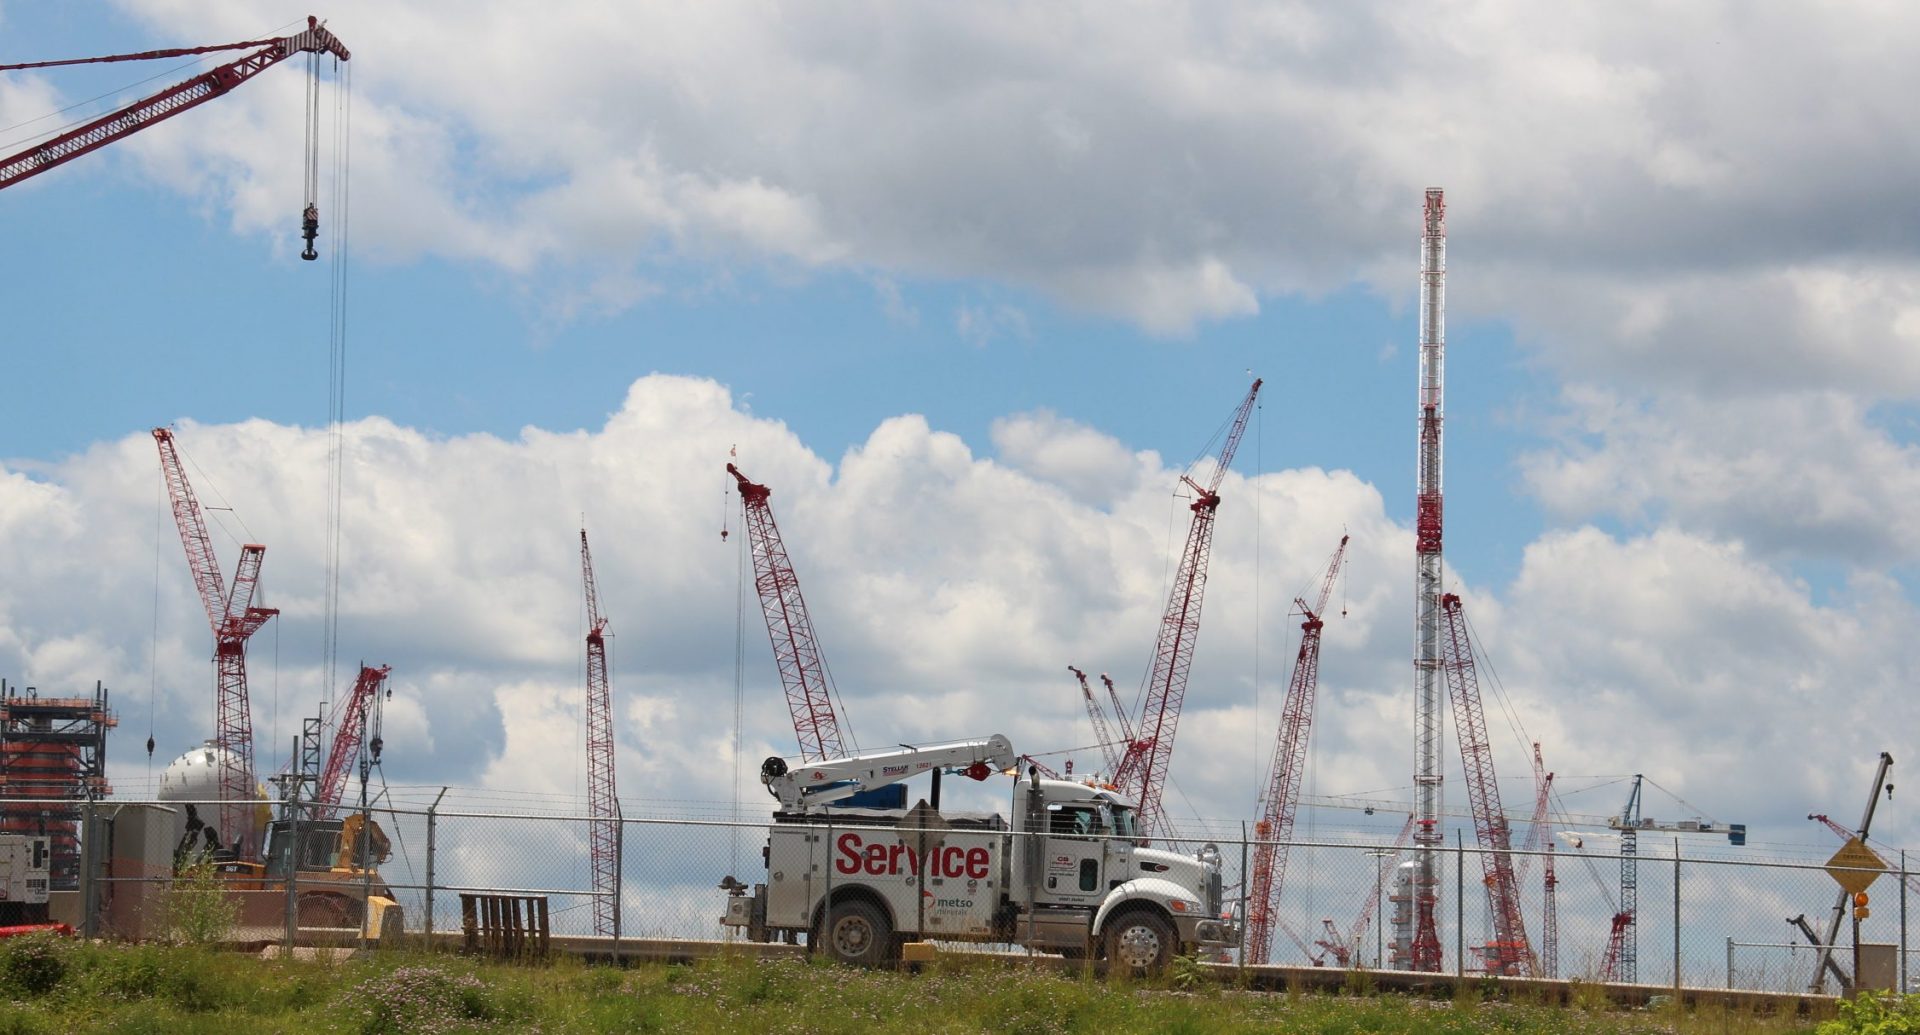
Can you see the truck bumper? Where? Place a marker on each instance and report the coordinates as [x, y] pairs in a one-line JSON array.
[[1214, 936]]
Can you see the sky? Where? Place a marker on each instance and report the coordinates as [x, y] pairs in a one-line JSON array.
[[970, 286]]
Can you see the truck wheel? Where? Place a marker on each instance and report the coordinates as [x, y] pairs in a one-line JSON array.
[[1140, 942], [857, 932]]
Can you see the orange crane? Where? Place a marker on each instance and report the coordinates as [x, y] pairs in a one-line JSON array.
[[234, 620], [198, 90], [349, 732], [603, 829], [1144, 773], [1510, 952], [1280, 792], [796, 651]]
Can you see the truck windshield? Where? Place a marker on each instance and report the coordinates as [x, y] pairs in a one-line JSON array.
[[1123, 824]]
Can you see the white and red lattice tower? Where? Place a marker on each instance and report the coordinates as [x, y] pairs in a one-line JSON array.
[[1428, 678]]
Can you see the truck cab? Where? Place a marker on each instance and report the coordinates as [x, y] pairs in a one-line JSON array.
[[1092, 889]]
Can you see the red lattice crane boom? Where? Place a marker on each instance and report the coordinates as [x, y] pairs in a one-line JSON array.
[[1146, 769], [167, 103], [172, 101], [603, 831], [1280, 793], [796, 651], [349, 732], [1538, 836], [1510, 953], [1112, 751], [234, 620]]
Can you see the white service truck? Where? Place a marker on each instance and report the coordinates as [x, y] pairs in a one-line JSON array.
[[1068, 875]]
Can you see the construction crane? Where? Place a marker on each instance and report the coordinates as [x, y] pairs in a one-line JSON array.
[[234, 620], [1537, 833], [603, 829], [1537, 837], [1911, 879], [1145, 772], [1825, 962], [1622, 959], [1280, 791], [1549, 918], [1510, 953], [198, 90], [1621, 962], [796, 651], [1112, 750], [349, 732]]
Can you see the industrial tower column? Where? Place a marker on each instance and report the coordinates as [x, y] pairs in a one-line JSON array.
[[1423, 950]]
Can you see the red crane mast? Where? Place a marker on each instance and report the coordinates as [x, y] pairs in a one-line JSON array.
[[603, 829], [349, 732], [796, 651], [1510, 953], [1280, 796], [1146, 768], [234, 620]]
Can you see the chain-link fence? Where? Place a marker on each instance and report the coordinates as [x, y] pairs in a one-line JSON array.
[[1706, 921]]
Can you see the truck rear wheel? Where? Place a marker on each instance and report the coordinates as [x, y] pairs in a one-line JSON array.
[[857, 932], [1140, 942]]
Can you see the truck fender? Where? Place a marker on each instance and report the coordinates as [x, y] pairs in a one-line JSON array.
[[1156, 890]]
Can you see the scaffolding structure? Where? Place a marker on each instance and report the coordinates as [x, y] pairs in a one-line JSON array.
[[53, 757]]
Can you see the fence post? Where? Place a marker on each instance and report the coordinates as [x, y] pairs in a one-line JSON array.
[[366, 858], [1676, 923], [826, 903], [89, 860], [1245, 915], [1729, 961], [295, 852], [433, 822], [619, 872], [1903, 921], [1459, 906]]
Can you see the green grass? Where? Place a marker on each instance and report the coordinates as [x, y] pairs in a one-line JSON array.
[[55, 986]]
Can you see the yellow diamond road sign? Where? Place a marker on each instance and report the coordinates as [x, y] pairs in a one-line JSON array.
[[1855, 866]]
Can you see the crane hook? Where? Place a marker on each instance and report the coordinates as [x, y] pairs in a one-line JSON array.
[[310, 229]]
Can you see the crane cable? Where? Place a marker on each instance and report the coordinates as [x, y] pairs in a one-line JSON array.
[[336, 343]]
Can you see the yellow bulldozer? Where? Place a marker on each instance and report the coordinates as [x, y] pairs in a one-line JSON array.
[[334, 864]]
